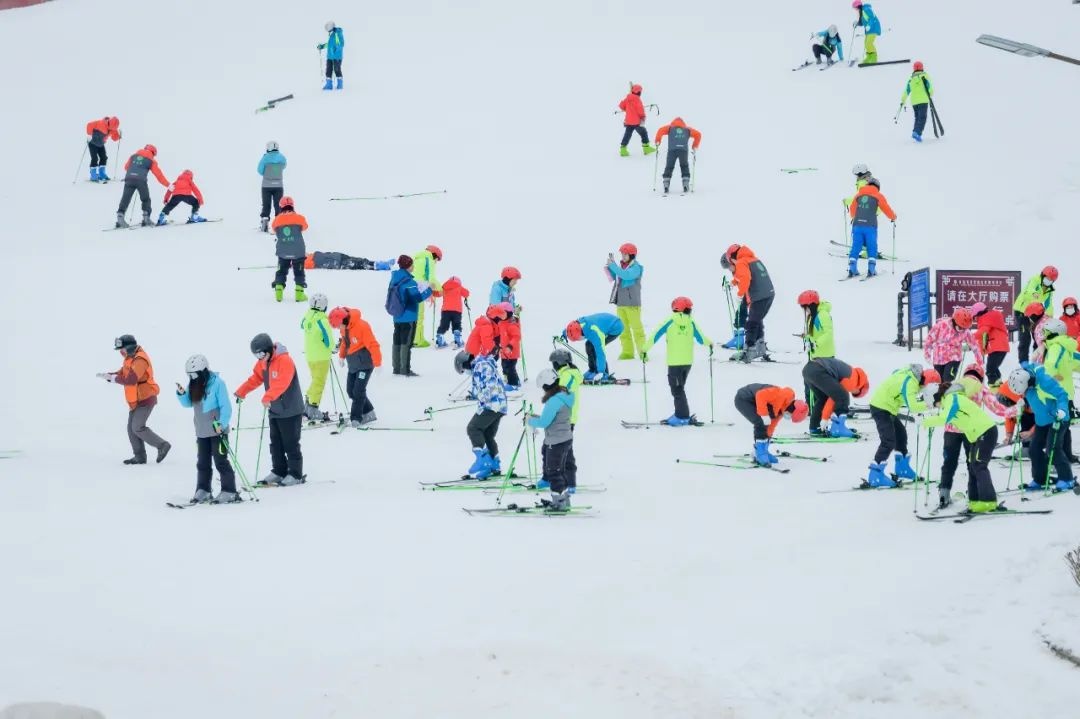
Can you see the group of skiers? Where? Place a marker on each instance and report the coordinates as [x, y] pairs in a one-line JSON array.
[[683, 140]]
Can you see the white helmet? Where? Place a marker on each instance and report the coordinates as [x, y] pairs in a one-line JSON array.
[[329, 25], [546, 378], [196, 363], [1019, 379], [860, 169], [1054, 326], [318, 301], [271, 146], [832, 30]]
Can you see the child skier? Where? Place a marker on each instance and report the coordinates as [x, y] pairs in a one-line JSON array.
[[598, 331], [920, 90], [317, 349], [570, 377], [864, 208], [679, 147], [992, 337], [283, 403], [503, 289], [979, 433], [1060, 359], [625, 276], [947, 344], [1038, 289], [755, 289], [817, 333], [764, 405], [183, 190], [136, 170], [289, 229], [335, 50], [207, 394], [1048, 401], [912, 388], [826, 43], [97, 133], [634, 121], [491, 407], [1070, 317], [272, 168], [341, 261], [560, 469], [404, 296], [423, 270], [1037, 318], [681, 331], [871, 29], [140, 391], [453, 295], [830, 383], [510, 347], [486, 335], [359, 348]]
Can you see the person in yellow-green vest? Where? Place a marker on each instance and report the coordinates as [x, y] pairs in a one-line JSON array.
[[681, 333], [920, 90], [871, 29], [817, 333], [626, 296], [910, 388], [423, 270], [1061, 360], [1038, 289], [980, 432], [317, 350]]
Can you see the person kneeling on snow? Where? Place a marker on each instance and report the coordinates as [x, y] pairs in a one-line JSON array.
[[560, 469], [826, 43], [681, 332], [830, 383], [598, 331], [913, 388], [183, 189], [490, 394], [764, 405]]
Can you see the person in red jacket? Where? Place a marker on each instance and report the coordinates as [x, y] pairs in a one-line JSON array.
[[993, 339], [453, 295], [486, 336], [634, 121], [138, 167], [361, 351], [679, 135], [1071, 317], [510, 347], [183, 189], [97, 133]]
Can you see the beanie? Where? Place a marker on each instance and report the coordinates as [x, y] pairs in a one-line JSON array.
[[404, 262]]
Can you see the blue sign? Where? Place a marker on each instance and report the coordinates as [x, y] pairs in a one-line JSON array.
[[919, 300]]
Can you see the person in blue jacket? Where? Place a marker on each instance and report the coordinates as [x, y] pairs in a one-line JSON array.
[[272, 168], [560, 469], [335, 47], [207, 394], [826, 43], [403, 298], [1049, 403], [598, 331], [871, 29]]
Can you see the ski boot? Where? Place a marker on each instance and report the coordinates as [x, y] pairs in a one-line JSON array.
[[755, 351], [290, 481], [916, 137], [543, 484], [667, 186], [818, 432], [871, 268], [944, 498], [686, 185], [196, 217], [383, 265], [624, 151], [838, 428], [162, 452], [264, 224], [354, 424], [146, 221], [482, 465], [440, 341], [496, 467], [279, 292], [558, 503], [981, 507], [737, 342], [457, 339], [93, 175], [830, 62], [878, 478], [676, 421], [121, 223], [1064, 485], [339, 80], [101, 176], [137, 459], [329, 84], [853, 268], [226, 498], [300, 295], [508, 388], [270, 480], [902, 467], [762, 455], [162, 219], [368, 418], [201, 496], [647, 149], [312, 412]]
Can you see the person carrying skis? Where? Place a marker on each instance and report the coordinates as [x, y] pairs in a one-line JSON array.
[[423, 270], [183, 190], [1038, 289], [504, 288], [207, 394], [140, 391], [992, 337], [453, 295], [283, 404], [817, 335], [404, 296], [341, 261], [764, 405], [681, 332], [510, 347], [490, 394], [1050, 405], [864, 208], [920, 90], [679, 135], [335, 51], [909, 387], [1061, 359], [626, 296], [756, 292], [947, 344], [826, 43], [361, 351], [272, 168], [98, 132], [871, 29], [317, 350], [136, 170], [289, 246], [634, 121], [559, 467], [598, 331], [1070, 317], [830, 383]]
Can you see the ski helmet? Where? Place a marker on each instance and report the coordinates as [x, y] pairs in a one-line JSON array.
[[435, 252], [860, 169], [636, 89], [978, 308], [1054, 326], [337, 316], [560, 357], [729, 254], [153, 151], [318, 301], [574, 332], [510, 273], [126, 343], [1018, 381], [833, 31], [261, 344], [462, 361], [1068, 301], [918, 66], [506, 307], [628, 248], [961, 317], [287, 201], [809, 297], [682, 304], [496, 312], [546, 378], [1050, 272], [799, 410], [931, 376], [974, 370], [875, 182], [1035, 309], [856, 4], [857, 382], [330, 26], [196, 364], [271, 146]]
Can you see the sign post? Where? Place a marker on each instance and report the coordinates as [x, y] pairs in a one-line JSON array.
[[962, 288], [918, 303]]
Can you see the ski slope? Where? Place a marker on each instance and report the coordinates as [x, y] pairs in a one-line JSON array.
[[694, 592]]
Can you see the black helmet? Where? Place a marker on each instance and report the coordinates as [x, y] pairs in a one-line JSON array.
[[560, 357], [262, 343], [462, 361], [874, 181], [126, 343]]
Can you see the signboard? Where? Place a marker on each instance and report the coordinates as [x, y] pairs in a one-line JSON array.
[[919, 300], [963, 288]]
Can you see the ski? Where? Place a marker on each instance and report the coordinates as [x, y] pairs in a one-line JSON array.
[[170, 223], [828, 65], [185, 505], [468, 482], [346, 428], [537, 510], [805, 65], [884, 62], [869, 276], [764, 359], [745, 465], [621, 382], [864, 487], [796, 170], [881, 256], [807, 439], [966, 515], [530, 487], [786, 455], [663, 423]]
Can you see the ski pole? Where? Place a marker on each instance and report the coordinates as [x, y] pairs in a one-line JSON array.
[[116, 160], [83, 157], [712, 393], [468, 311], [244, 483], [845, 210], [693, 171], [239, 406], [896, 119], [1055, 432], [894, 249], [655, 165], [510, 470], [929, 454], [258, 267], [262, 429], [645, 391], [524, 367], [388, 197]]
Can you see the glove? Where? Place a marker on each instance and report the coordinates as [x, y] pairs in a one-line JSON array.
[[517, 311], [171, 188], [266, 401], [1060, 416], [239, 399], [217, 427], [644, 357], [712, 348], [107, 376], [321, 46], [341, 361], [422, 286]]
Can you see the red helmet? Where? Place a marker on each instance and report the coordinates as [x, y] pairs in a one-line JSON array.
[[1035, 309], [799, 410], [573, 331], [636, 89], [809, 297], [113, 123], [918, 66], [974, 369], [628, 248], [858, 383], [153, 151], [510, 273], [725, 261], [961, 316], [1069, 301], [287, 201], [337, 316], [931, 376], [682, 304], [496, 312], [435, 251], [1049, 272]]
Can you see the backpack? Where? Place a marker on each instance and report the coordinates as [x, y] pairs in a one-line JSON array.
[[395, 306]]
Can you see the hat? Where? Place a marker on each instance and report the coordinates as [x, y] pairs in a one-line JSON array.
[[404, 262]]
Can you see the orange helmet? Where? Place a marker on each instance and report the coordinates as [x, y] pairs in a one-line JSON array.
[[152, 150], [636, 89], [435, 251], [961, 316], [918, 66], [799, 410], [857, 383], [510, 273], [1050, 272], [809, 297], [574, 331], [287, 201], [931, 376], [496, 312], [628, 248], [682, 304], [1035, 309], [337, 316]]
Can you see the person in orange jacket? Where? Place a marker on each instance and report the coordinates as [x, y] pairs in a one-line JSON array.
[[764, 405], [679, 135], [140, 392], [361, 351], [283, 403], [138, 167], [864, 208], [288, 228], [486, 335], [634, 121], [97, 133], [510, 347], [453, 295], [185, 190], [755, 288]]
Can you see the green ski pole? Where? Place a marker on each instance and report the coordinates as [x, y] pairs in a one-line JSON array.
[[239, 406], [258, 456], [712, 389], [645, 390], [510, 470], [83, 157], [244, 483], [693, 170]]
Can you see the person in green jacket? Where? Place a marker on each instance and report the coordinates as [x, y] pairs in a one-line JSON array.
[[1061, 359], [981, 433], [817, 333], [681, 332], [423, 270], [1038, 289], [317, 350], [911, 388], [920, 90]]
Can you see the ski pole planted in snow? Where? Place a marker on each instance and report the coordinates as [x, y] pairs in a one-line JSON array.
[[258, 456], [83, 157], [655, 165]]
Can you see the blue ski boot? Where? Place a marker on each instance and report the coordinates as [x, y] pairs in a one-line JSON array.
[[676, 421], [839, 428], [1064, 485], [339, 83], [916, 137], [196, 217], [93, 175], [543, 484], [871, 268], [902, 467], [457, 339], [878, 478], [383, 265], [329, 85], [440, 341], [161, 219], [496, 466], [481, 466], [737, 342], [101, 176], [853, 267], [762, 455]]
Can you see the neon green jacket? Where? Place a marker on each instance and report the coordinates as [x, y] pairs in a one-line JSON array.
[[962, 413], [820, 332], [1035, 291], [423, 269], [681, 332], [571, 378], [901, 389], [917, 89], [858, 186], [317, 336], [1060, 360]]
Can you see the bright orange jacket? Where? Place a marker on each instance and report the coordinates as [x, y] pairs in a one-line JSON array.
[[290, 218], [103, 127], [184, 185], [991, 332], [678, 122], [741, 271], [634, 109], [282, 371], [1007, 393], [510, 339], [137, 376], [482, 338], [153, 166], [874, 192], [356, 335], [773, 402], [453, 292]]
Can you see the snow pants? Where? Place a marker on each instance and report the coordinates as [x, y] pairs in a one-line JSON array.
[[629, 130], [954, 443], [869, 47], [356, 387], [319, 370], [98, 157], [980, 484], [683, 158], [633, 331], [993, 366], [139, 434], [891, 433], [271, 195], [129, 192], [402, 348], [746, 404], [282, 274], [1048, 439], [213, 449], [285, 456], [676, 377], [177, 199], [449, 319], [590, 353], [559, 468], [333, 67], [863, 237], [509, 368], [1024, 340], [755, 320], [822, 386], [920, 111], [948, 373], [821, 52], [482, 429]]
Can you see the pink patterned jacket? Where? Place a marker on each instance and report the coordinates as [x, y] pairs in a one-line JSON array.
[[945, 344]]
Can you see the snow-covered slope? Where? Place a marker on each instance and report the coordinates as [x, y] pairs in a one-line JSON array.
[[694, 592]]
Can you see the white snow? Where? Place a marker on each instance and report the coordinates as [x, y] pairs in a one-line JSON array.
[[694, 592]]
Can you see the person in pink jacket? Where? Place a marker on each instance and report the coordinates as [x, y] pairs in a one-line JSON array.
[[634, 121], [947, 343], [1037, 317]]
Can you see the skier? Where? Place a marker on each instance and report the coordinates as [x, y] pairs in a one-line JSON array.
[[423, 270], [764, 405], [98, 132], [1048, 401], [503, 289], [317, 349], [826, 43], [817, 333], [1038, 289], [183, 190], [341, 261], [359, 348], [486, 335], [335, 48], [207, 394], [136, 374], [403, 299], [490, 395], [1060, 359], [1071, 317], [272, 168], [571, 379], [136, 169], [453, 295], [909, 387], [864, 208], [289, 229], [871, 29], [920, 90], [510, 347], [830, 382], [283, 404], [559, 466], [634, 121], [755, 289], [947, 344], [598, 331], [626, 296], [1036, 317], [992, 337], [680, 134], [681, 332]]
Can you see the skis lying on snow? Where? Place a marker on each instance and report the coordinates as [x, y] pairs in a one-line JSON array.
[[749, 464], [618, 381], [536, 510], [663, 423], [809, 439], [737, 358], [785, 455], [140, 226], [805, 65], [796, 170], [345, 428], [967, 515], [884, 62], [530, 487]]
